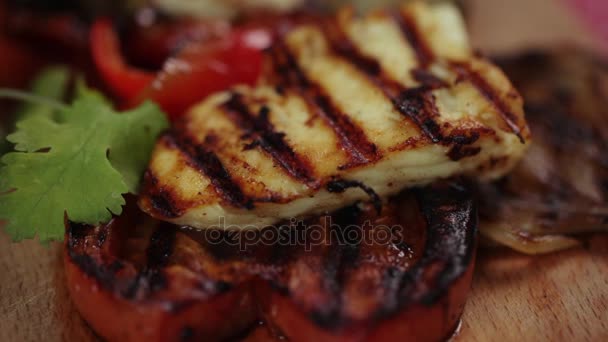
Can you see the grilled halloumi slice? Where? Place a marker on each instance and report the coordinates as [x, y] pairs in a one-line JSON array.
[[348, 108]]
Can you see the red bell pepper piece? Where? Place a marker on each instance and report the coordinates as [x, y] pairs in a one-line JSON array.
[[124, 81]]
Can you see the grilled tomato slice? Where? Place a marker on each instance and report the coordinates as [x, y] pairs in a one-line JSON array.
[[354, 275]]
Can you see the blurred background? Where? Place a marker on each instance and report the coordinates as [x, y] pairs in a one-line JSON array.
[[496, 26]]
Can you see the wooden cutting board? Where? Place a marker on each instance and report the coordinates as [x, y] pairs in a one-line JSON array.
[[559, 297]]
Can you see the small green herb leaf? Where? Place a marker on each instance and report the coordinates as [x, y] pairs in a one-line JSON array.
[[78, 164]]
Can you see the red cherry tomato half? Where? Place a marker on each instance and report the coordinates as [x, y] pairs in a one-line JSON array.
[[201, 69], [125, 81]]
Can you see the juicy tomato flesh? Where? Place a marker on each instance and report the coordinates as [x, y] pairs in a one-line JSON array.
[[198, 70], [202, 69]]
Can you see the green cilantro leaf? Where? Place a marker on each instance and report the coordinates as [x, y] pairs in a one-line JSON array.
[[50, 86], [78, 164]]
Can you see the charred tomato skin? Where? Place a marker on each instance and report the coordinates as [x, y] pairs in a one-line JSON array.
[[433, 293], [117, 317], [424, 303]]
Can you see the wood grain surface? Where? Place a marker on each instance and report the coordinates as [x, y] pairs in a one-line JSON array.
[[559, 297]]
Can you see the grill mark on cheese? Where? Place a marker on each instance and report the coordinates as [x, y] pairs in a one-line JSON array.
[[292, 75], [412, 34], [428, 80], [264, 135], [341, 45], [161, 200], [465, 72], [414, 104], [351, 137], [419, 105], [207, 162]]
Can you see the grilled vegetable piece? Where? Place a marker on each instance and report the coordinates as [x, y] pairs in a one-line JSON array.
[[402, 275], [350, 107], [561, 186]]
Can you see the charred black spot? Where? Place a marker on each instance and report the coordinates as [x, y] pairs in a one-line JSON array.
[[419, 105], [427, 79], [152, 279], [161, 199], [162, 203], [279, 89], [93, 269], [462, 139], [272, 142], [116, 266], [393, 272], [211, 140], [77, 231], [252, 145], [208, 163], [459, 152], [222, 286], [101, 236], [161, 247], [341, 185], [186, 334], [465, 72]]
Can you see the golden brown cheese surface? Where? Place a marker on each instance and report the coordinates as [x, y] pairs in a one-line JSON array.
[[348, 108]]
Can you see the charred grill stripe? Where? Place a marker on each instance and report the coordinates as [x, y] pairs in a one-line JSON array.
[[161, 247], [162, 203], [413, 36], [341, 45], [87, 262], [151, 278], [416, 104], [352, 137], [208, 163], [342, 255], [419, 105], [161, 200], [465, 72], [428, 80], [329, 314], [265, 136], [451, 218]]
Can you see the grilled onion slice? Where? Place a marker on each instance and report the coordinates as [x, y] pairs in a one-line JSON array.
[[353, 276], [560, 189]]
